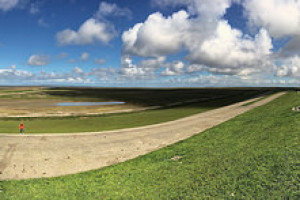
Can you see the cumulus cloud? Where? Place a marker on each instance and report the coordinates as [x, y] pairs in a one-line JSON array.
[[38, 60], [12, 74], [160, 35], [95, 29], [6, 5], [208, 39], [230, 51], [144, 69], [195, 68], [130, 70], [174, 69], [61, 78], [154, 63], [90, 32], [232, 81], [279, 17], [290, 67], [282, 19], [157, 36]]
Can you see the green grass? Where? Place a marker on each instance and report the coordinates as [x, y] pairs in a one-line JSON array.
[[101, 123], [252, 102], [254, 156], [129, 120], [257, 100]]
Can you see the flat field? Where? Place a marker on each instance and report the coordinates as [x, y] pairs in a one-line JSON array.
[[170, 104], [253, 156]]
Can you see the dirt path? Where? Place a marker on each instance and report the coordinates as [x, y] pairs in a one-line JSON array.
[[38, 156]]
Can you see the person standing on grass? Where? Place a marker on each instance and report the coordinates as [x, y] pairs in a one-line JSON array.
[[22, 128]]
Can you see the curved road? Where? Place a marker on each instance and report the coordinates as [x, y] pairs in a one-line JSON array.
[[35, 156]]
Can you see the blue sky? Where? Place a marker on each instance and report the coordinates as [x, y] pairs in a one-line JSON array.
[[150, 43]]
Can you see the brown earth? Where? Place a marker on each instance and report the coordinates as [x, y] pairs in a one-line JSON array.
[[36, 156], [49, 108], [37, 104]]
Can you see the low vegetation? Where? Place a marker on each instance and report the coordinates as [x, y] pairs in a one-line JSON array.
[[206, 99], [254, 156]]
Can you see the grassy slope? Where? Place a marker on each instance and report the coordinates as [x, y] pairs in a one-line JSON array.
[[254, 156]]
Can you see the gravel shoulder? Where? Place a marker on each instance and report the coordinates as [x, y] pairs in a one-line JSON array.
[[49, 155]]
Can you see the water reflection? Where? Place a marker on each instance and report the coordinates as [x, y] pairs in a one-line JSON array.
[[90, 103]]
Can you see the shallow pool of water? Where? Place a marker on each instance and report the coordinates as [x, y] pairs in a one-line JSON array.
[[90, 103]]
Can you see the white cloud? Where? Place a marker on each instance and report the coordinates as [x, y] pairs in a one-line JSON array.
[[95, 29], [154, 63], [174, 69], [232, 81], [6, 5], [90, 32], [134, 72], [230, 51], [38, 60], [282, 19], [76, 76], [211, 9], [12, 74], [107, 9], [145, 69], [290, 67], [84, 56], [279, 17], [130, 70], [157, 36], [208, 39], [195, 68]]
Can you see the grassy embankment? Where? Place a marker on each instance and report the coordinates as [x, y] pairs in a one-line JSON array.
[[254, 156], [211, 99]]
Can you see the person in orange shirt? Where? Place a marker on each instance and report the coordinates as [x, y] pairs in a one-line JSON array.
[[22, 128]]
